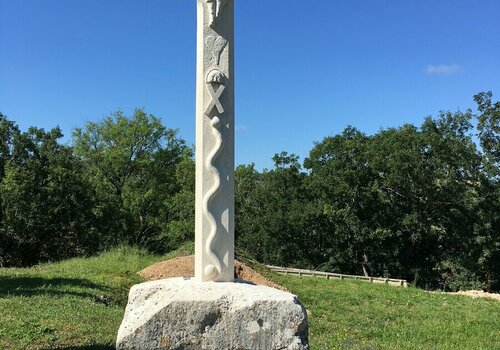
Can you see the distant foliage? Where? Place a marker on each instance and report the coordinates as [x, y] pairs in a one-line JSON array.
[[420, 203], [45, 201], [119, 183], [131, 162]]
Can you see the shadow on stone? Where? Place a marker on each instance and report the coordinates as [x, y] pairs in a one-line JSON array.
[[238, 280]]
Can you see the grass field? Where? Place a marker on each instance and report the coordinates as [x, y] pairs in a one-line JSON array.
[[74, 304], [78, 304], [360, 315]]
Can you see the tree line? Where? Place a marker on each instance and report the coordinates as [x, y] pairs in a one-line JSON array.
[[125, 180], [415, 202]]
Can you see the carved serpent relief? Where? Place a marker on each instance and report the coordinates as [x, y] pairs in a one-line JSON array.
[[215, 81], [214, 78], [215, 268], [216, 84]]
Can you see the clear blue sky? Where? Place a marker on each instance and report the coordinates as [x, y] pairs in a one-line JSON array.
[[305, 69]]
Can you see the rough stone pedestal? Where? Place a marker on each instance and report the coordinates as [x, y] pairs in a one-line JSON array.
[[191, 315]]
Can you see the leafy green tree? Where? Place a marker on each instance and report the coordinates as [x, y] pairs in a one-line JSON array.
[[487, 231], [247, 180], [270, 208], [427, 178], [341, 183], [132, 164], [46, 206], [7, 131], [420, 203], [489, 130], [486, 249], [176, 218]]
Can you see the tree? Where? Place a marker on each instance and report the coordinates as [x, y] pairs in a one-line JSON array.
[[489, 130], [176, 218], [341, 183], [7, 131], [270, 212], [401, 203], [488, 228], [247, 207], [427, 180], [46, 206], [132, 164], [419, 203]]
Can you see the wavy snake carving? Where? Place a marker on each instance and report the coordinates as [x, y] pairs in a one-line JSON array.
[[215, 269], [216, 44]]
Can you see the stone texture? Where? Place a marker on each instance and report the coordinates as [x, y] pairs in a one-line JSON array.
[[191, 315], [214, 224]]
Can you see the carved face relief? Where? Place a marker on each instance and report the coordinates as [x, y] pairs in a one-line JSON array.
[[215, 8]]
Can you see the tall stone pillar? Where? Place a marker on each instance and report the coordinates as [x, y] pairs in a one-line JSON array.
[[184, 313], [215, 142]]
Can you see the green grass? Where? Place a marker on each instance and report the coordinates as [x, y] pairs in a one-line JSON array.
[[79, 303], [74, 304], [360, 315]]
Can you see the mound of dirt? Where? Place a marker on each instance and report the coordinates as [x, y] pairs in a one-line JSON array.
[[184, 266]]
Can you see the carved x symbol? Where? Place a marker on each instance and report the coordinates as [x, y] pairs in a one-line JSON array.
[[215, 103]]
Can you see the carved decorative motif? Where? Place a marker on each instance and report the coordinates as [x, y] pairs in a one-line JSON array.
[[215, 103], [215, 142], [216, 46], [215, 78], [215, 268], [215, 9], [215, 81]]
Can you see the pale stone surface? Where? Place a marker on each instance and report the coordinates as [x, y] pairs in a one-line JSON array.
[[210, 311], [192, 315], [215, 141]]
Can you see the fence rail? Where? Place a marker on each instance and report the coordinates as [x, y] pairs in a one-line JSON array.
[[331, 275]]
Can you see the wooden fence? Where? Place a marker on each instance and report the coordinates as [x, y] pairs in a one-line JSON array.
[[339, 276]]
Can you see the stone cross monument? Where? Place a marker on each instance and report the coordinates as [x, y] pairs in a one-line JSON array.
[[214, 258], [212, 311]]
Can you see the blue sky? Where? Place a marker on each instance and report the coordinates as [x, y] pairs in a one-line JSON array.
[[305, 69]]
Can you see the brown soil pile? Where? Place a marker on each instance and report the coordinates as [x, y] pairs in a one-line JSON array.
[[184, 266]]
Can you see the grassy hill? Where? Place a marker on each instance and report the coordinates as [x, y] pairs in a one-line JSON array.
[[360, 315], [79, 303]]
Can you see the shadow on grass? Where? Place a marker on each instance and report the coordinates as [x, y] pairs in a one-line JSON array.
[[29, 286]]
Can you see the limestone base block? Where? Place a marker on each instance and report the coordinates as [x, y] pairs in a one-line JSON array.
[[191, 315]]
